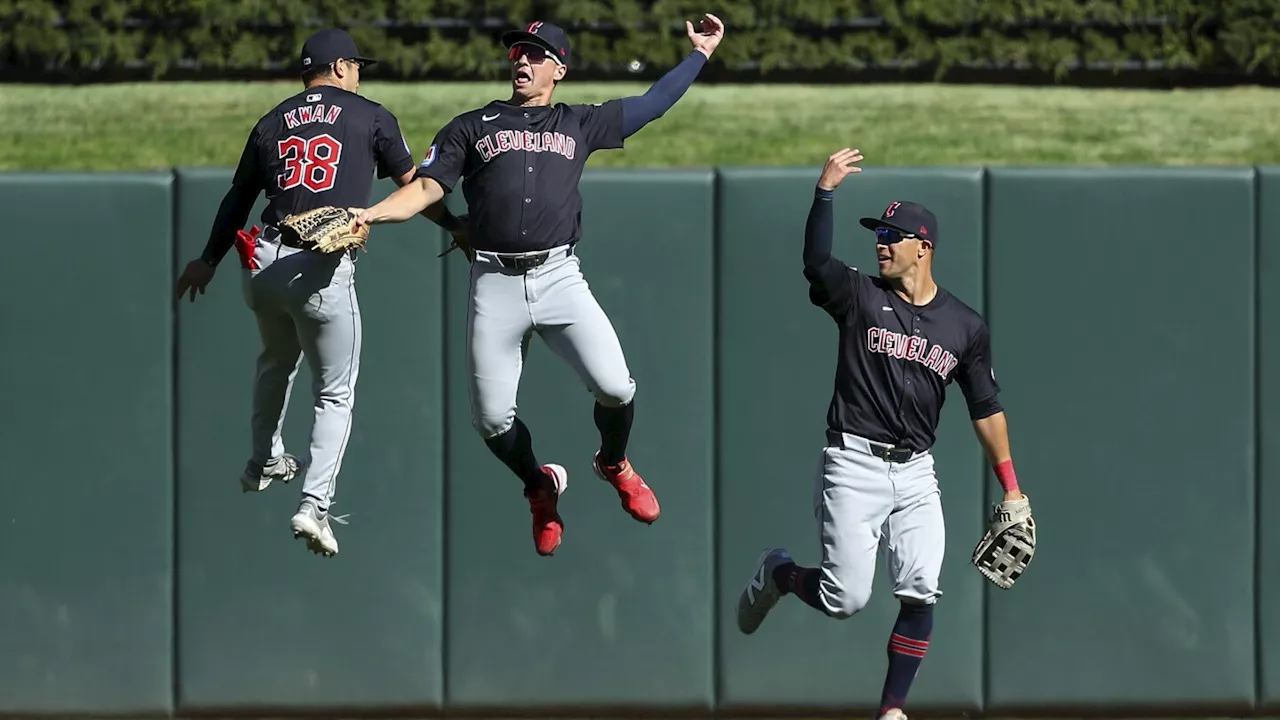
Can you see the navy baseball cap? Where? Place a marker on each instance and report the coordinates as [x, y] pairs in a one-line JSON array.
[[327, 46], [544, 35], [907, 218]]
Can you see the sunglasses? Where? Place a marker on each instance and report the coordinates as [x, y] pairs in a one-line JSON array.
[[536, 53], [889, 236]]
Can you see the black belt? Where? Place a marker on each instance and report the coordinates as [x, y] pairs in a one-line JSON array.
[[525, 261], [888, 453]]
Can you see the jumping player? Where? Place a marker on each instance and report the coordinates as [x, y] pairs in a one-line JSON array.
[[902, 340], [522, 159], [320, 147]]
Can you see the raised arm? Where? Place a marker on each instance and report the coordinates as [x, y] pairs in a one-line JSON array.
[[830, 284], [640, 110]]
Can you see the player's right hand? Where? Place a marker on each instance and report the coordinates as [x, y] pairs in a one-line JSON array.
[[196, 276], [363, 217], [838, 167]]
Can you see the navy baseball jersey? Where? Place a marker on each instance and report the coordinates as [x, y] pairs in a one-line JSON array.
[[520, 168], [321, 147], [896, 359]]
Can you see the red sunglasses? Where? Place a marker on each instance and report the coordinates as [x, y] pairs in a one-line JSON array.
[[536, 53]]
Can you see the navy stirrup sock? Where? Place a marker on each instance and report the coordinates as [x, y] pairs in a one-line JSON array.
[[800, 581], [907, 647]]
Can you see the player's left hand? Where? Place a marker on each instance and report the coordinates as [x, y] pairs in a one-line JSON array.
[[1009, 543], [195, 277], [461, 240], [712, 32]]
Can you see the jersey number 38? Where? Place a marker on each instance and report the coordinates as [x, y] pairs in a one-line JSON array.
[[309, 162]]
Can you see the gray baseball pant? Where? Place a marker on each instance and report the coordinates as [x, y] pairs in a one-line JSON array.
[[507, 306], [306, 306], [861, 501]]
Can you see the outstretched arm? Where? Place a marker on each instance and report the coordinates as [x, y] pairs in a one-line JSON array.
[[436, 212], [641, 110], [402, 204], [440, 168]]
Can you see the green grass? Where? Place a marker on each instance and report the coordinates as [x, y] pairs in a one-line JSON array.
[[149, 126]]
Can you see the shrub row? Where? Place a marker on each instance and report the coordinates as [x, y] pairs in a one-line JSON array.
[[458, 39]]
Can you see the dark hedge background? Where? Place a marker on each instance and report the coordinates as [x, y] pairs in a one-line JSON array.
[[1108, 41]]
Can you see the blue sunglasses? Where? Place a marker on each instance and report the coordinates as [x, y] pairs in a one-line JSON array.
[[889, 236]]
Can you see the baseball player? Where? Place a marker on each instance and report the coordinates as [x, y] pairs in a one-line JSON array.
[[522, 159], [902, 341], [319, 147]]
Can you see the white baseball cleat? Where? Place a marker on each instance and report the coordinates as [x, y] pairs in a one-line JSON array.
[[761, 592], [313, 525], [282, 469], [893, 714]]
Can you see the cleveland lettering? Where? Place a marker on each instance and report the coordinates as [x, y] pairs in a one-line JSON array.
[[492, 145], [911, 347]]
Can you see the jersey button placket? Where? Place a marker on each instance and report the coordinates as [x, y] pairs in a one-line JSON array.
[[915, 330], [531, 277], [524, 190], [528, 183]]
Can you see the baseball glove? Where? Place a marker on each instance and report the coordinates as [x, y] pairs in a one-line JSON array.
[[1006, 549], [325, 229]]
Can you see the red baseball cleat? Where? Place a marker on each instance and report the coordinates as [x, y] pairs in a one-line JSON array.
[[637, 498], [547, 525]]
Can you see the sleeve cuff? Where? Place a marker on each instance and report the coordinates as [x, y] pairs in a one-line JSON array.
[[984, 408], [409, 165], [447, 187]]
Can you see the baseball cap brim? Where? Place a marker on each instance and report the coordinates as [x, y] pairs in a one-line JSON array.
[[364, 60], [521, 36], [873, 223]]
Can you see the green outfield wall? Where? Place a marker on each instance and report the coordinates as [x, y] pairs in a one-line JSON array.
[[1135, 316]]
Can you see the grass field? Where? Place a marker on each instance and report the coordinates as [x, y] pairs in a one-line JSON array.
[[147, 126]]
